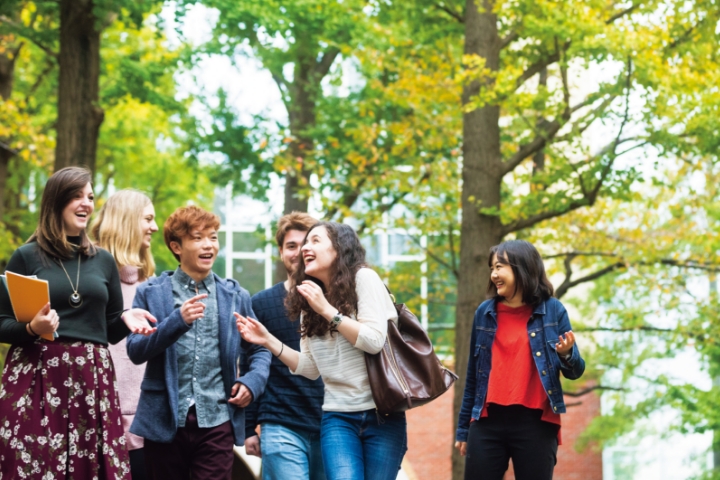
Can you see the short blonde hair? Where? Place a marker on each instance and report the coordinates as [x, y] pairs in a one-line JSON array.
[[117, 229]]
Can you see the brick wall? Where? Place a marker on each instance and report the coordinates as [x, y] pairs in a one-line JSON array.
[[431, 437]]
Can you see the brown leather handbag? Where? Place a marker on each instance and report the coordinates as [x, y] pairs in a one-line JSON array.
[[406, 373]]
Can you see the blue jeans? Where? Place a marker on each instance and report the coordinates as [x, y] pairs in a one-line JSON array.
[[361, 446], [289, 452]]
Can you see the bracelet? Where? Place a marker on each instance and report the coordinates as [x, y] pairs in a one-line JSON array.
[[281, 350], [31, 330]]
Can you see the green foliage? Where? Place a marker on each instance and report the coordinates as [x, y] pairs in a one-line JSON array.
[[243, 162], [142, 139]]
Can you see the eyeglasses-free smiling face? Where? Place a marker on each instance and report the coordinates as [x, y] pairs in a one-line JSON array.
[[319, 254], [501, 274], [148, 225], [198, 251], [76, 214], [290, 250]]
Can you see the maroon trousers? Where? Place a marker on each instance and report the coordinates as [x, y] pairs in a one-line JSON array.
[[196, 453]]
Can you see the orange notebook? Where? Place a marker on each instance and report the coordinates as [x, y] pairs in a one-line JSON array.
[[27, 296]]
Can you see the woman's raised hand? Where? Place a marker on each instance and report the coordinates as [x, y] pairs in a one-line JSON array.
[[312, 292], [137, 321], [251, 330], [565, 345]]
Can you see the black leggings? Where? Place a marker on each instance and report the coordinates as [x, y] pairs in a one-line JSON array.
[[511, 432], [137, 464]]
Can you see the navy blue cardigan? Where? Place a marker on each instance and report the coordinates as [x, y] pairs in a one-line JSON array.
[[156, 416]]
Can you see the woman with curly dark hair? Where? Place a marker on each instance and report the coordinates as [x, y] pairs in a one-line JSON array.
[[343, 308]]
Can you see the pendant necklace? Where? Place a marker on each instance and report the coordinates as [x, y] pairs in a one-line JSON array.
[[75, 299]]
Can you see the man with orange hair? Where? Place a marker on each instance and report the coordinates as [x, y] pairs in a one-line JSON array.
[[192, 402]]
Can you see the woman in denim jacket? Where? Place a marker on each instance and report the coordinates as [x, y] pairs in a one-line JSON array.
[[521, 341]]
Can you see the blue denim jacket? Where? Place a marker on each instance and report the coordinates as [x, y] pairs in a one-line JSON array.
[[549, 320]]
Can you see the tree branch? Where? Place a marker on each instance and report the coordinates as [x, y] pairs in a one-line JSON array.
[[566, 89], [708, 267], [590, 117], [25, 32], [435, 257], [685, 36], [548, 136], [639, 328], [323, 66], [568, 284], [537, 144], [385, 207], [535, 68], [508, 39], [349, 200], [621, 14], [588, 198], [7, 148], [581, 254], [453, 257], [585, 391], [48, 67], [451, 12]]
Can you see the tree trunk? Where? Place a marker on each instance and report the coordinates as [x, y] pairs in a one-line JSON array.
[[482, 177], [295, 201], [79, 114], [304, 91], [7, 77], [5, 156], [7, 70]]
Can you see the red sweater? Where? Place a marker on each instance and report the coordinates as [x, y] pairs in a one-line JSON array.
[[514, 378]]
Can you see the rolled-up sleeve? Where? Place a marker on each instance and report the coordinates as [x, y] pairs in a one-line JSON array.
[[375, 308]]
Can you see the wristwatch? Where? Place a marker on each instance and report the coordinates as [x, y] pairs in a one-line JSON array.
[[337, 319]]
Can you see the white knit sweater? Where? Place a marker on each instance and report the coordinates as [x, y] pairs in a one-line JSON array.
[[342, 365]]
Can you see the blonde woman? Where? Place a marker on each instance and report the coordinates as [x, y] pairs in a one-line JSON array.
[[124, 227]]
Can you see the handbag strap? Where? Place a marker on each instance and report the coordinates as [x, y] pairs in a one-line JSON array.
[[392, 297]]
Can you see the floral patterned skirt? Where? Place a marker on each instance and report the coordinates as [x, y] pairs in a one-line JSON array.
[[59, 413]]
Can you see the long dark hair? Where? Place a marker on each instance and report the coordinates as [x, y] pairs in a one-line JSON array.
[[350, 258], [50, 233], [528, 268]]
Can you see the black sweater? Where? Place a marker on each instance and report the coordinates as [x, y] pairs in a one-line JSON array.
[[96, 320], [289, 400]]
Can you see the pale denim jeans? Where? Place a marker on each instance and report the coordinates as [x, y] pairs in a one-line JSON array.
[[290, 453]]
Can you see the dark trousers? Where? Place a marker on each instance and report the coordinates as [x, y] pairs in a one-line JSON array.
[[511, 432], [137, 464], [195, 453]]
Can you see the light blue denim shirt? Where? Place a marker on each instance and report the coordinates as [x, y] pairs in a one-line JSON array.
[[199, 373]]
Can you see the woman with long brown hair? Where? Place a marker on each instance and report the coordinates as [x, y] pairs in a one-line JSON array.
[[59, 413], [124, 227], [343, 307]]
